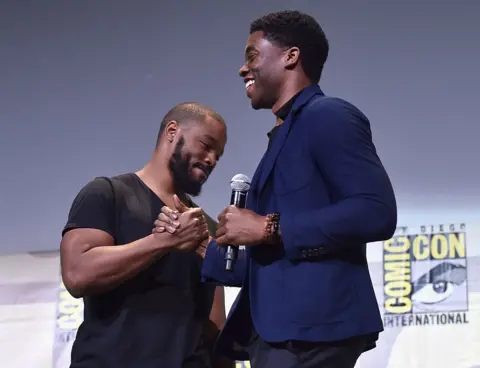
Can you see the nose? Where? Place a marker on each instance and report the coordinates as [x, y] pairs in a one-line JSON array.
[[211, 160], [243, 71]]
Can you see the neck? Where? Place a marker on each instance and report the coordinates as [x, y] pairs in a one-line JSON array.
[[156, 175], [289, 90]]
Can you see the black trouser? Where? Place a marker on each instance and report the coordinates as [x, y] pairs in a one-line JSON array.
[[302, 354]]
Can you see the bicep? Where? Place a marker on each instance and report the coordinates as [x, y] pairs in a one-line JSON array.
[[90, 221], [78, 241]]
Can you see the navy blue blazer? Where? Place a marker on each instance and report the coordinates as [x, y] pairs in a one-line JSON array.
[[323, 175]]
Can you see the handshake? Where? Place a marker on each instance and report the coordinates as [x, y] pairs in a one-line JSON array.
[[189, 227]]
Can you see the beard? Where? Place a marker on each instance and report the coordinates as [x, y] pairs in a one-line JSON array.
[[179, 165]]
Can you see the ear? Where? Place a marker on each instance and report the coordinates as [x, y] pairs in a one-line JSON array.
[[292, 57], [171, 130]]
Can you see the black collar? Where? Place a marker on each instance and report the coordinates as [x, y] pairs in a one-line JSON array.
[[282, 114], [283, 111]]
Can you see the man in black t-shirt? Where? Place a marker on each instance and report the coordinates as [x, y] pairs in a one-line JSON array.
[[145, 305]]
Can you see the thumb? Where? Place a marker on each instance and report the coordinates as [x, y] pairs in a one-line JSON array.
[[195, 212], [180, 207]]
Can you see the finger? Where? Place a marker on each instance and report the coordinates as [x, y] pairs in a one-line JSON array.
[[167, 220], [158, 229], [167, 227], [222, 214], [195, 212], [221, 241], [202, 221], [179, 205], [169, 212], [222, 221], [171, 229], [221, 230], [203, 231]]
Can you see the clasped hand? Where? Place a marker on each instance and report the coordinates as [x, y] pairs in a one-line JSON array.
[[236, 226], [188, 227]]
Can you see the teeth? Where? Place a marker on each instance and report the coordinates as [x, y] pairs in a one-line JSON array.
[[249, 83]]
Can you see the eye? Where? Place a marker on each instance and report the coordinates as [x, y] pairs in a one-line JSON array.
[[251, 58], [438, 284], [206, 146], [433, 293]]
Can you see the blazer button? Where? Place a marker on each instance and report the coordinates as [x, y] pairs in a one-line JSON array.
[[322, 250]]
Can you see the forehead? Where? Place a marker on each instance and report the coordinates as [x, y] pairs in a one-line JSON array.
[[257, 42], [211, 129]]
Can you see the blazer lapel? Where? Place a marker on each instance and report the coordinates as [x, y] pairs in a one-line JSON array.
[[252, 198], [272, 154], [270, 157]]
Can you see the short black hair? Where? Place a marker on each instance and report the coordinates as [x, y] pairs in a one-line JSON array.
[[291, 28], [188, 112]]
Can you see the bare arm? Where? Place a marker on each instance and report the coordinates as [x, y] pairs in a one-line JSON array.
[[92, 264], [215, 324]]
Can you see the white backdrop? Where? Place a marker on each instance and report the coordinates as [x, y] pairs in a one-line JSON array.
[[430, 270]]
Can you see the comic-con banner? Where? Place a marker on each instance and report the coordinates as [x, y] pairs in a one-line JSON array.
[[427, 282], [68, 318], [425, 277]]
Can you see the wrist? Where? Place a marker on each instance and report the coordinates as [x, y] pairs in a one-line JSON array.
[[271, 229], [161, 242], [202, 250]]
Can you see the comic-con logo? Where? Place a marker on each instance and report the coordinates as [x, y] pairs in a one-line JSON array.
[[425, 276], [69, 315]]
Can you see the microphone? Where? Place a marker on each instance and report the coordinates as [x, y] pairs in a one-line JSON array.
[[240, 185]]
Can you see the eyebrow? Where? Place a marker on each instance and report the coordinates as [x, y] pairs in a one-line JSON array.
[[213, 140], [249, 49]]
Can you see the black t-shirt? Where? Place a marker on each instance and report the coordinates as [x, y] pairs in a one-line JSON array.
[[155, 319]]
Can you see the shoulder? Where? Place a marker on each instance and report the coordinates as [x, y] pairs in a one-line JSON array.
[[97, 187], [105, 187], [327, 116], [328, 106], [102, 189], [96, 193]]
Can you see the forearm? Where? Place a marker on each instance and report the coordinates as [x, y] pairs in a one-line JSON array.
[[214, 326], [346, 223], [103, 268]]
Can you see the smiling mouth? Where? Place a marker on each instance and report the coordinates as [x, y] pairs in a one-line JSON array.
[[204, 171], [249, 83]]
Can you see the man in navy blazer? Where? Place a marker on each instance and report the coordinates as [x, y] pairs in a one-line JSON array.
[[319, 194]]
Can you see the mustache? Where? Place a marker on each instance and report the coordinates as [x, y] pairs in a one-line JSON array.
[[207, 169]]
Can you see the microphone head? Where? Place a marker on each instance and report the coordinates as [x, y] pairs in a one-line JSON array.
[[240, 183]]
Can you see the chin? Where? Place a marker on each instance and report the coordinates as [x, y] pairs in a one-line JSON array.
[[259, 104]]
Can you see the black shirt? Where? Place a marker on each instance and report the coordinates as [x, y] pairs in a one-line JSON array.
[[281, 114], [155, 319]]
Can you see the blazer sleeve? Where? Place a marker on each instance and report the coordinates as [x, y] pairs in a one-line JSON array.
[[364, 209], [213, 267]]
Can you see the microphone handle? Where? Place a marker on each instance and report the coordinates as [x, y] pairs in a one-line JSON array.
[[238, 199]]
